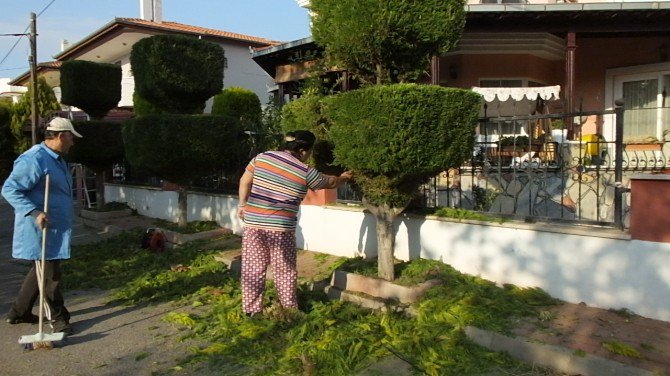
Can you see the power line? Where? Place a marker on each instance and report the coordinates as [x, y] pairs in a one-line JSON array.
[[24, 34]]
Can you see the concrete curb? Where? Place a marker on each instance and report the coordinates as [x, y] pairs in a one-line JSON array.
[[554, 357]]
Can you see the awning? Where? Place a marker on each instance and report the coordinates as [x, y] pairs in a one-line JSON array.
[[515, 101]]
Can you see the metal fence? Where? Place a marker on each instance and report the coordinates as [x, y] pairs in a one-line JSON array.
[[525, 167]]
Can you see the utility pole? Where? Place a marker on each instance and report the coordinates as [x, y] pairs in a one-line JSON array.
[[33, 75]]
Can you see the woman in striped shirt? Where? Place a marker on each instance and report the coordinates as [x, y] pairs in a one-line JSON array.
[[271, 189]]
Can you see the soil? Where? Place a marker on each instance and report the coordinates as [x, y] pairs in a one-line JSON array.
[[587, 329]]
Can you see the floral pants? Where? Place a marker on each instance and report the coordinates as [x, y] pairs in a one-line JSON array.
[[260, 248]]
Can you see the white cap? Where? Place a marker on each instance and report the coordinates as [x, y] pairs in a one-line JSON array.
[[59, 124]]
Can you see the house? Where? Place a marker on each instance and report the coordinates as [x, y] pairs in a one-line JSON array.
[[112, 43], [596, 51], [10, 91]]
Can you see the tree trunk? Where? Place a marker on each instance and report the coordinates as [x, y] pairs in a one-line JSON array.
[[183, 196], [100, 188], [379, 73], [384, 215]]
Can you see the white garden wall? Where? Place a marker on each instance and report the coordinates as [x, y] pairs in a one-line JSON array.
[[602, 268]]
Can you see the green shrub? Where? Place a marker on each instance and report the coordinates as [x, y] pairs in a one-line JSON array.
[[306, 112], [238, 102], [177, 74], [180, 148], [93, 87], [394, 137], [7, 140], [143, 107], [101, 145]]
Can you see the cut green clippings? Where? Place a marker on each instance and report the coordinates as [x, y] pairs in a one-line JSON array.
[[330, 338], [621, 349], [457, 213]]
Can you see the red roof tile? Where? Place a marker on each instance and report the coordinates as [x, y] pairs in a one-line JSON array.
[[175, 26]]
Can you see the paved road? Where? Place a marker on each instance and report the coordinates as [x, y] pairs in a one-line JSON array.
[[108, 339]]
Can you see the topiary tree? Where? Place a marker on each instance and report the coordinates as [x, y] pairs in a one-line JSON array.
[[100, 147], [177, 74], [93, 87], [406, 130], [394, 138], [386, 41], [21, 111], [180, 148]]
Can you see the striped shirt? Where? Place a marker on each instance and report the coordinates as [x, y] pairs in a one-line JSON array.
[[280, 182]]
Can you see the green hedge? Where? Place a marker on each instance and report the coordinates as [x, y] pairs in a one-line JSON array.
[[177, 74], [101, 145], [180, 148], [239, 103], [306, 112], [93, 87], [7, 140], [394, 137]]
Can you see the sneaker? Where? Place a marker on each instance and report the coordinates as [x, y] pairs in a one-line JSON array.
[[62, 326], [28, 319]]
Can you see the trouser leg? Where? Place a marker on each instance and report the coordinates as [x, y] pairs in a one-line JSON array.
[[52, 291], [255, 259], [283, 259], [29, 292]]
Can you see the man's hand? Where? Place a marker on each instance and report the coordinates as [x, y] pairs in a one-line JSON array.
[[41, 220]]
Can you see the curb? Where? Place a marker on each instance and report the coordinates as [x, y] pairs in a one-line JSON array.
[[554, 357]]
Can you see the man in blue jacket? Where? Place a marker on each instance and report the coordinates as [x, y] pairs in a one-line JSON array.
[[24, 189]]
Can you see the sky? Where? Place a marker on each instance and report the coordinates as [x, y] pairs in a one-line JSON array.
[[281, 20]]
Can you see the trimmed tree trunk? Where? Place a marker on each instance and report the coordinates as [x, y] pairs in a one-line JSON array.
[[183, 196], [385, 215], [100, 188]]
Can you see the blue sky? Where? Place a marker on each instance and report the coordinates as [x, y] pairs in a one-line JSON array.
[[281, 20]]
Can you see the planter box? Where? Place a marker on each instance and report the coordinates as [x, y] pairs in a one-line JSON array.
[[100, 216], [654, 146], [174, 239], [379, 288]]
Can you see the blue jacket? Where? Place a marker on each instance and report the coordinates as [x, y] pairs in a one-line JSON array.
[[24, 190]]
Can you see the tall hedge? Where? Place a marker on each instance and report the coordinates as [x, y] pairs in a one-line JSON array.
[[100, 147], [7, 140], [181, 148], [239, 103], [93, 87], [177, 74], [393, 138]]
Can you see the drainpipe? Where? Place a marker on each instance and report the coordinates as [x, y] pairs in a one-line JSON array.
[[570, 82], [618, 165]]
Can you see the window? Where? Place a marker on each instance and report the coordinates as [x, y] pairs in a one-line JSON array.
[[646, 104]]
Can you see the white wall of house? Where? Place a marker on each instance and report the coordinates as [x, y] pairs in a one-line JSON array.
[[602, 269]]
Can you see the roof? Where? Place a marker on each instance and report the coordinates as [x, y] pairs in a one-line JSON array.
[[166, 27], [41, 67], [577, 17]]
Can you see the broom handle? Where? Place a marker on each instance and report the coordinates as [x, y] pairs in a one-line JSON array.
[[43, 258]]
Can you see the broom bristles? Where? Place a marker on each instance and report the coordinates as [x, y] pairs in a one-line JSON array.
[[46, 345]]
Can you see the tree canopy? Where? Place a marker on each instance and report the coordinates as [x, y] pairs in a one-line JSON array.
[[386, 41], [93, 87], [177, 74], [21, 111]]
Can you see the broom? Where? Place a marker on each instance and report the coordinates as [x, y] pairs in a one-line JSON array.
[[42, 340]]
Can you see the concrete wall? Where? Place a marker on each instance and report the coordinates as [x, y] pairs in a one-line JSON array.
[[600, 267]]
